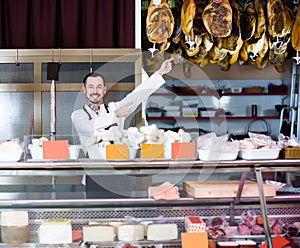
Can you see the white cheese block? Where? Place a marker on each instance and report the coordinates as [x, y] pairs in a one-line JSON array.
[[131, 232], [98, 233], [55, 231], [14, 218], [159, 232]]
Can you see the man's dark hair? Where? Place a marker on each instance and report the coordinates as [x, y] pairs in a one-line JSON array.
[[92, 74]]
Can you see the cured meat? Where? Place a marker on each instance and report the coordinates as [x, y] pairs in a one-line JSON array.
[[295, 37], [188, 12], [261, 60], [243, 230], [261, 19], [217, 18], [276, 17], [230, 42], [257, 230], [159, 22], [248, 22], [257, 50], [235, 54], [176, 11], [198, 25], [279, 44], [166, 191]]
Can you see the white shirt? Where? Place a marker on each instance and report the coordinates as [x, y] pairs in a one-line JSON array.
[[86, 121]]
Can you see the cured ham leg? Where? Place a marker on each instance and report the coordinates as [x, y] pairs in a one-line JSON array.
[[159, 23], [188, 12], [295, 38], [217, 18]]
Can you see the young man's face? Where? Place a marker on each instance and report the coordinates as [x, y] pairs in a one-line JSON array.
[[94, 90]]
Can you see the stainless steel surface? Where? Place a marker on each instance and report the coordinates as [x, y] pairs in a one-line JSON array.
[[263, 206]]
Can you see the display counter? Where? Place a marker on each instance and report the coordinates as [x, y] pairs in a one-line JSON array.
[[80, 208]]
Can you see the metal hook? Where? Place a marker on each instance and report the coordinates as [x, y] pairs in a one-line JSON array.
[[152, 50], [52, 55], [190, 44], [91, 60], [59, 58], [17, 58], [297, 58]]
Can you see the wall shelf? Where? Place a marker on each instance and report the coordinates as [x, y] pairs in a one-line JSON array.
[[213, 118]]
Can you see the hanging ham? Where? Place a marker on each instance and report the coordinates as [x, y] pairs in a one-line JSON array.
[[159, 22], [248, 22], [276, 17], [296, 32], [217, 18]]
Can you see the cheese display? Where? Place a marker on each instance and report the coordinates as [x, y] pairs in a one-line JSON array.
[[194, 224], [55, 231], [131, 232], [14, 227], [98, 233], [153, 142], [162, 231]]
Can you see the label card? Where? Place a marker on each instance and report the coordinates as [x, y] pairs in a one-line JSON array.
[[55, 149], [194, 240]]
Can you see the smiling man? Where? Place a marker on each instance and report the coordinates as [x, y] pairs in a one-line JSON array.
[[96, 115]]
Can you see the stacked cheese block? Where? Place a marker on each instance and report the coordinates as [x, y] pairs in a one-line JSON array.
[[55, 231], [14, 227]]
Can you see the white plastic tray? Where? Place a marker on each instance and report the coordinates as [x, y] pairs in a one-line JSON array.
[[207, 155], [257, 154]]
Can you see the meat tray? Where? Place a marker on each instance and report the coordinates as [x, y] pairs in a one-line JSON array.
[[207, 155], [257, 154]]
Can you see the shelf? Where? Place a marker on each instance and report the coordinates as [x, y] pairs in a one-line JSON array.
[[86, 200], [213, 118], [222, 94]]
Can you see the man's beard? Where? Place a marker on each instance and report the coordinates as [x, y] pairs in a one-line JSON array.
[[98, 101]]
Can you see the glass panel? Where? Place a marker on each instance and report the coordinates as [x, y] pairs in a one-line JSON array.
[[75, 72], [13, 73], [16, 109]]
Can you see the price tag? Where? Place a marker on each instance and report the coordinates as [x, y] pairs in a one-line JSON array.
[[194, 240], [55, 149]]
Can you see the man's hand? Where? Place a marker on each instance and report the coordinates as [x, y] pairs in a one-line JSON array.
[[165, 67], [123, 110]]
